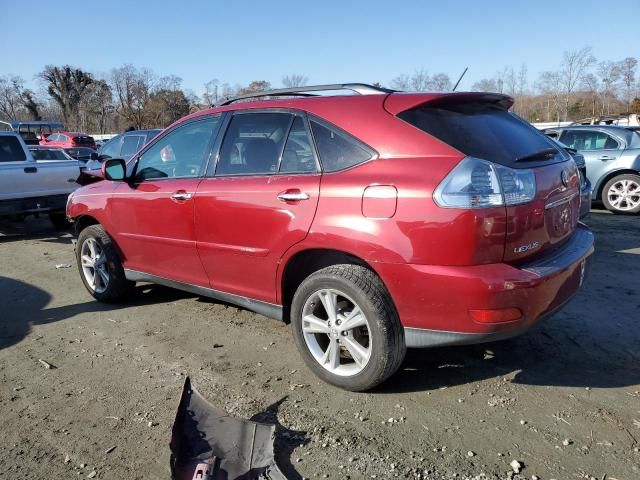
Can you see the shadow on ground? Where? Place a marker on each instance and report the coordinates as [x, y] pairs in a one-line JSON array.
[[27, 306]]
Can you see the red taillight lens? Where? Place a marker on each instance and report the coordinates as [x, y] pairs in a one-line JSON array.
[[500, 315]]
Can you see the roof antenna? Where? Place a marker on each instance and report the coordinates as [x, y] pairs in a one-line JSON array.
[[460, 79]]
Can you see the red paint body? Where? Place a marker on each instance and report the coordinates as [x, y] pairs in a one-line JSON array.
[[235, 236], [68, 140]]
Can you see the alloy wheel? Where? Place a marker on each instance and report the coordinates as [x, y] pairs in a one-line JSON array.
[[94, 265], [624, 194], [336, 332]]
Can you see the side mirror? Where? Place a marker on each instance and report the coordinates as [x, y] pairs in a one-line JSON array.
[[94, 156], [114, 169]]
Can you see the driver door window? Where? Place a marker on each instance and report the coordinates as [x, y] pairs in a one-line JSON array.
[[179, 154]]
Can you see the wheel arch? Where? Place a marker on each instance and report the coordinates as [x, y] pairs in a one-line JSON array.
[[304, 262], [83, 222], [603, 181]]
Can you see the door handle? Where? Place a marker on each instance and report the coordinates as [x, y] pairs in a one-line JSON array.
[[30, 169], [181, 195], [293, 196], [606, 157]]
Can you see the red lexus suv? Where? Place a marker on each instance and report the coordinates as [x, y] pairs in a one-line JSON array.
[[371, 222]]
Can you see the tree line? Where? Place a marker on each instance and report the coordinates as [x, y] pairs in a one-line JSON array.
[[133, 97]]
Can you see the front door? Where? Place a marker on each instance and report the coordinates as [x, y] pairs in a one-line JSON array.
[[261, 201], [153, 212]]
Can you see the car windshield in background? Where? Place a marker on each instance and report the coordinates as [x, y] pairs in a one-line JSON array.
[[11, 150], [481, 130], [49, 154]]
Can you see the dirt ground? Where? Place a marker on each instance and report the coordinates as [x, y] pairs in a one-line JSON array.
[[563, 399]]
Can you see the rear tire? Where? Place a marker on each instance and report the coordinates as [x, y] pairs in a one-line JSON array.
[[100, 266], [357, 343], [621, 194]]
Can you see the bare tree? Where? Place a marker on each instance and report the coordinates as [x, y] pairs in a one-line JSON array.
[[401, 82], [11, 88], [132, 88], [294, 80], [486, 85], [575, 64], [590, 83], [67, 86], [550, 84], [609, 74], [440, 82], [627, 69], [210, 96]]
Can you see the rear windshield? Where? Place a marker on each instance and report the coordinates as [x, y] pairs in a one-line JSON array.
[[479, 130], [11, 150], [83, 140]]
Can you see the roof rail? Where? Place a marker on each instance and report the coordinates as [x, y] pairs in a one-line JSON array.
[[360, 88]]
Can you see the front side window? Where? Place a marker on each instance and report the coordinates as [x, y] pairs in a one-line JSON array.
[[11, 150], [252, 144], [338, 150], [298, 153], [179, 154], [588, 140]]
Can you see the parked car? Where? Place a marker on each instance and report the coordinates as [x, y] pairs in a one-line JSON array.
[[585, 184], [69, 140], [612, 155], [84, 154], [125, 144], [371, 222], [30, 186]]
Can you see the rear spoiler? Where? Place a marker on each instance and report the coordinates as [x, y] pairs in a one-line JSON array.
[[396, 103]]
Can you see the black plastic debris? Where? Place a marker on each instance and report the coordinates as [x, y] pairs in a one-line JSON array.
[[207, 444]]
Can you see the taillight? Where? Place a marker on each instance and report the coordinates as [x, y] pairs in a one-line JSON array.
[[477, 183]]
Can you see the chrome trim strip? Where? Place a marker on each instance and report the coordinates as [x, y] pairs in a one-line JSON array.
[[264, 308], [561, 201]]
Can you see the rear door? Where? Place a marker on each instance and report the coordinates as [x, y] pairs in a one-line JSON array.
[[258, 201], [599, 149]]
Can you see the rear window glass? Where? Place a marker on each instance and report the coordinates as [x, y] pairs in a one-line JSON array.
[[479, 130], [337, 150], [11, 150]]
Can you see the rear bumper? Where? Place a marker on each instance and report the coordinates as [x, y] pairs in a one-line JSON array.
[[434, 301]]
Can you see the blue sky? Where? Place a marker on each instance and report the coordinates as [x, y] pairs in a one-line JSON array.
[[328, 41]]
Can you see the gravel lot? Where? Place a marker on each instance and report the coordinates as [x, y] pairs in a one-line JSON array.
[[563, 399]]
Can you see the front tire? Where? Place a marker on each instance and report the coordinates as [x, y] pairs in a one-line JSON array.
[[621, 194], [346, 327], [100, 266]]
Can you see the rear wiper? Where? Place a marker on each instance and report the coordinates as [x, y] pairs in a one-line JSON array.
[[544, 153]]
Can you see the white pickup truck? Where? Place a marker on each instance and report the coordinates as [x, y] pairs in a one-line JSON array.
[[30, 187]]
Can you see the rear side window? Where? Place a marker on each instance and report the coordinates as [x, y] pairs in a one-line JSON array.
[[588, 140], [338, 150], [298, 154], [479, 129], [11, 150], [252, 144]]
